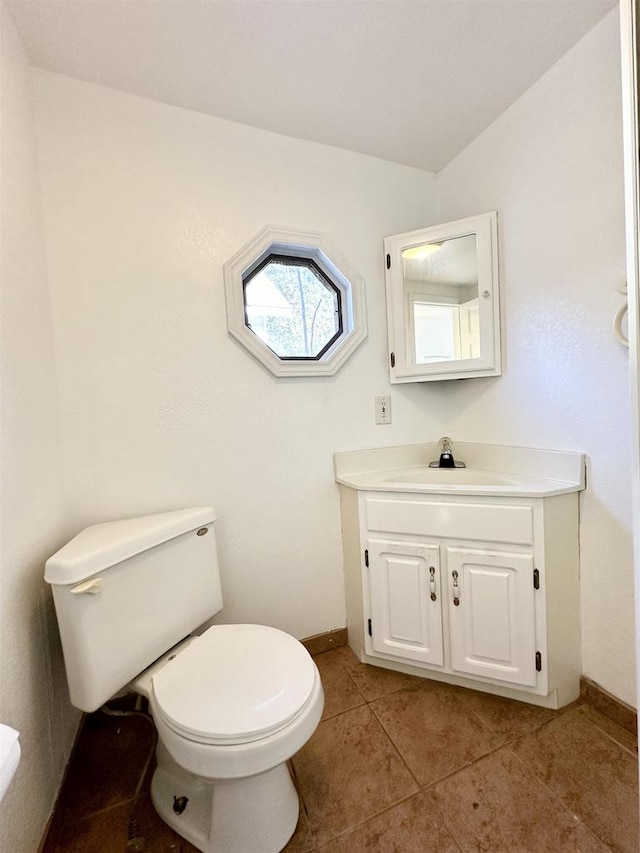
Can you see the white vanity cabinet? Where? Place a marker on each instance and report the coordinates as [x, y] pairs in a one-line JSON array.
[[478, 591]]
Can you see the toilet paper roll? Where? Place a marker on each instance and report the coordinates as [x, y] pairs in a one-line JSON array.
[[9, 756]]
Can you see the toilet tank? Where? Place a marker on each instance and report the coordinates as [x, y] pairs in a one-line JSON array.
[[126, 591]]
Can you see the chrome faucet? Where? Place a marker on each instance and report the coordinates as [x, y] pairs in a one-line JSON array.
[[446, 459]]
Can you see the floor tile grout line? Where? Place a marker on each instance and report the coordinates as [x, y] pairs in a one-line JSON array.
[[386, 808], [359, 689], [393, 744], [558, 713], [534, 726], [460, 691], [343, 711], [556, 797], [458, 769], [345, 669], [536, 779], [468, 707], [372, 817], [367, 820], [631, 752], [97, 812], [505, 745], [465, 766], [448, 827], [576, 706], [508, 745], [624, 748], [381, 696], [353, 681]]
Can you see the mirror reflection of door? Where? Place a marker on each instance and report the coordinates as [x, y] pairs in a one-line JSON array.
[[441, 300]]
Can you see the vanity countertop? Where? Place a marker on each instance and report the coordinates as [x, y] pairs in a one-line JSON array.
[[491, 470]]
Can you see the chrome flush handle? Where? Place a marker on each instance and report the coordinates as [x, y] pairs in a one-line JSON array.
[[456, 588], [432, 583]]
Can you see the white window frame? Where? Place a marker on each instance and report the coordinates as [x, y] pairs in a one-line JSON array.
[[334, 264]]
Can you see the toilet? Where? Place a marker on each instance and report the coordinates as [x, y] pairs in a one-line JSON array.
[[231, 705]]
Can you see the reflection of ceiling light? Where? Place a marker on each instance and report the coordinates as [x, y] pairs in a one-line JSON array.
[[415, 253]]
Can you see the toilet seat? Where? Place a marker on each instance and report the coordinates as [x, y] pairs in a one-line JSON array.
[[235, 684]]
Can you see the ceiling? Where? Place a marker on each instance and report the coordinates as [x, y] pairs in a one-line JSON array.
[[411, 81]]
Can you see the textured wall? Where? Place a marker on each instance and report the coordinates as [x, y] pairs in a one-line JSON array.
[[33, 694], [144, 203], [160, 409], [552, 166]]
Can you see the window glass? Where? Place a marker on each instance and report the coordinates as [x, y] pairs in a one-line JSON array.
[[293, 307], [436, 332]]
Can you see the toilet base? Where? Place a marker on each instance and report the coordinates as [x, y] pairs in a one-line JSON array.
[[257, 814]]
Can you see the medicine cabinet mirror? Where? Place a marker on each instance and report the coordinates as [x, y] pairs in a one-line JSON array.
[[443, 301]]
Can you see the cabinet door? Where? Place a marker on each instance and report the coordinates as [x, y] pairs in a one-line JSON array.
[[443, 294], [404, 588], [493, 624]]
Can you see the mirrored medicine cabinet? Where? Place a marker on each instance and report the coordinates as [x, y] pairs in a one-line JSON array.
[[443, 301]]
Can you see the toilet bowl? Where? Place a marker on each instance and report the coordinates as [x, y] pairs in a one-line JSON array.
[[234, 701], [231, 705]]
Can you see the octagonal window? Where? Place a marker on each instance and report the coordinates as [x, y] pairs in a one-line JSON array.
[[294, 303]]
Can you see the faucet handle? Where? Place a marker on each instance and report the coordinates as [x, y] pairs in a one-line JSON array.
[[446, 459], [446, 445]]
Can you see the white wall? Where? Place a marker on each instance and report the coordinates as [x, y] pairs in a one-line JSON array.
[[34, 519], [552, 167], [144, 203], [159, 408]]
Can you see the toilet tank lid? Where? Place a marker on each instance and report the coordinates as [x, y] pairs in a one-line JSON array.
[[103, 545]]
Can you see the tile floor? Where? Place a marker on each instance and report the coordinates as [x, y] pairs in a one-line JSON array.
[[397, 765]]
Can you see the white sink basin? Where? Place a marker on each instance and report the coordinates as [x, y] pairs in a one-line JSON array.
[[498, 470], [453, 477]]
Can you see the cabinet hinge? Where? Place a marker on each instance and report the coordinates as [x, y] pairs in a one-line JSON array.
[[538, 661], [536, 579], [369, 629], [366, 557], [388, 262], [393, 359]]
